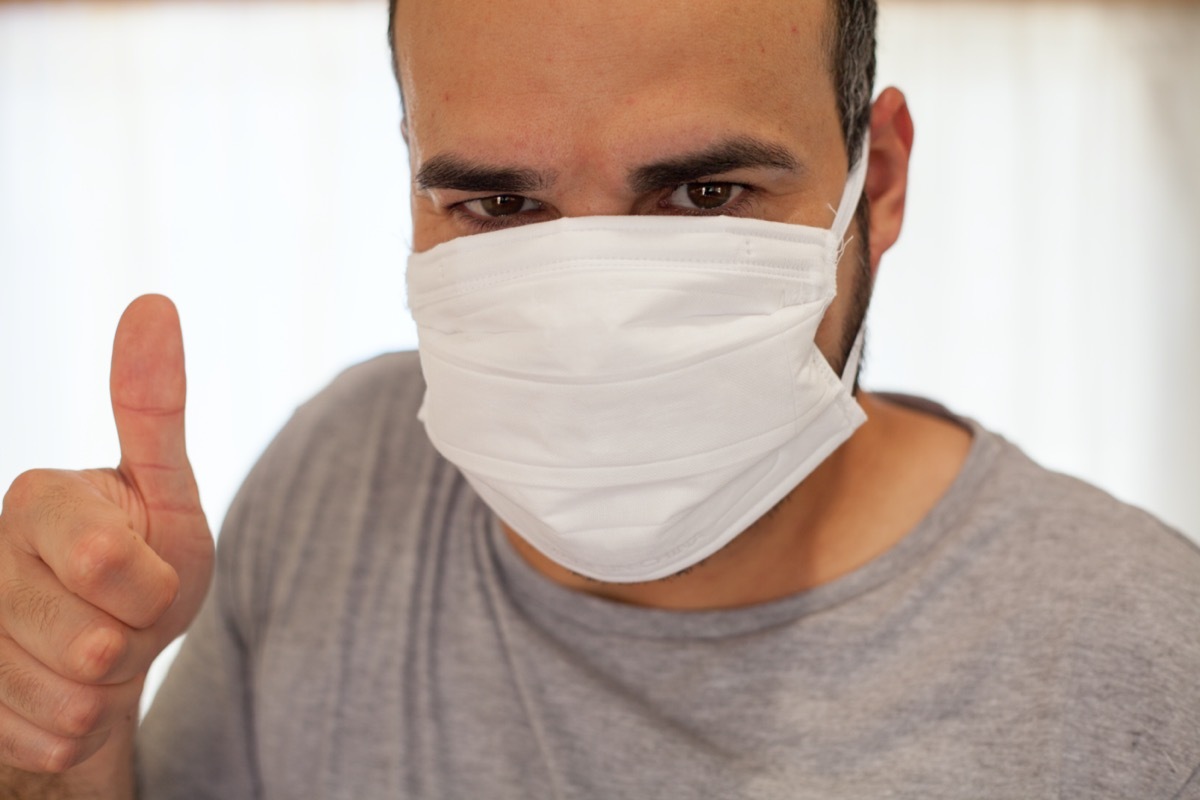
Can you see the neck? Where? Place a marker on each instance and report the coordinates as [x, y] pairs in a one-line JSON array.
[[859, 503]]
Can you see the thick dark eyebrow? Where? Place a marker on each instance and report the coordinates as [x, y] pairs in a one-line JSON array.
[[454, 172], [742, 152]]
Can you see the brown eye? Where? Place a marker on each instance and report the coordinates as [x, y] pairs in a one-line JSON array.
[[705, 196], [502, 205], [500, 211], [709, 195]]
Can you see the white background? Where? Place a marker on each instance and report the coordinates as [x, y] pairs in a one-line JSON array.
[[245, 159]]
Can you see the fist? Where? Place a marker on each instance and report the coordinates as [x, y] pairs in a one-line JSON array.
[[101, 569]]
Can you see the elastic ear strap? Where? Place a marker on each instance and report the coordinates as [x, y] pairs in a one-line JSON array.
[[850, 371], [855, 182]]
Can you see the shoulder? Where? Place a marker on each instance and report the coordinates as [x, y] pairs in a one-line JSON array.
[[364, 421], [1094, 606], [1032, 518], [1115, 595], [352, 460], [389, 385], [1083, 546], [385, 374], [370, 405], [1094, 536]]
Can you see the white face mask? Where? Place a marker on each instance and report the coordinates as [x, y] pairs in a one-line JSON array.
[[631, 393]]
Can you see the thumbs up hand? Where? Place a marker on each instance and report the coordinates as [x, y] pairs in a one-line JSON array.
[[101, 569]]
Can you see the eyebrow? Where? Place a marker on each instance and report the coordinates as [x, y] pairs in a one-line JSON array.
[[742, 152], [449, 171]]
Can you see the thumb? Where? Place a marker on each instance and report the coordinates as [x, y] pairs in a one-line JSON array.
[[149, 389]]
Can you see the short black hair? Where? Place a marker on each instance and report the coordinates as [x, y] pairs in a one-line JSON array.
[[850, 49]]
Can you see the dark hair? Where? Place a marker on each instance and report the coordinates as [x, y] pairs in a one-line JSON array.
[[851, 51], [850, 48]]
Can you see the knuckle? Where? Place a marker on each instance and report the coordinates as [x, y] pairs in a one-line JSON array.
[[38, 753], [81, 711], [163, 595], [72, 713], [98, 556], [60, 754], [96, 652], [39, 501], [25, 488]]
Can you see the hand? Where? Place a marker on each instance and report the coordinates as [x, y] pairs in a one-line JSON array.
[[101, 569]]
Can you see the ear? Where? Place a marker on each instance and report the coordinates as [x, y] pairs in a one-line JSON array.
[[887, 170]]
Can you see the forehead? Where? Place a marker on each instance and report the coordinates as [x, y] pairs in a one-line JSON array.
[[510, 77]]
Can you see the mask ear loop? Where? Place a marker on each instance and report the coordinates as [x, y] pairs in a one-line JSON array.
[[855, 182], [850, 371]]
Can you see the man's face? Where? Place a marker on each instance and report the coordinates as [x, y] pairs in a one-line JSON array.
[[521, 112]]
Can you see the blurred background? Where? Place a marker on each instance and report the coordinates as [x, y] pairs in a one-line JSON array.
[[245, 159]]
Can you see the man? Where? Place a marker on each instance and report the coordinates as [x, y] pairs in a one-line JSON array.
[[646, 540]]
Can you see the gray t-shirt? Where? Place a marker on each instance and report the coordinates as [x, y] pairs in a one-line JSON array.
[[371, 635]]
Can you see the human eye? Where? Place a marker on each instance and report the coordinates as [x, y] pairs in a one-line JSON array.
[[499, 211], [706, 196]]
